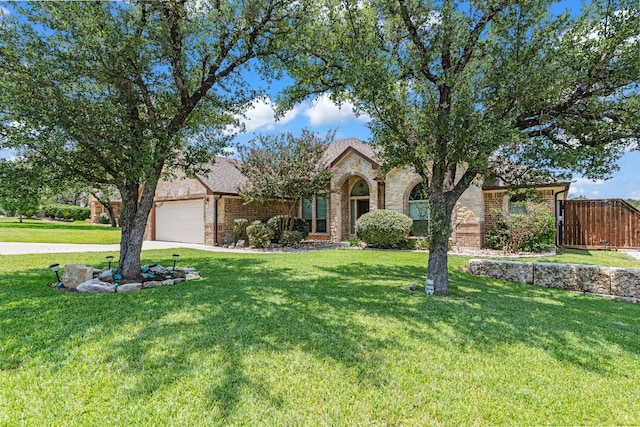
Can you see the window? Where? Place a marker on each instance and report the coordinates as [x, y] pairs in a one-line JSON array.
[[321, 214], [314, 211], [419, 211], [518, 204]]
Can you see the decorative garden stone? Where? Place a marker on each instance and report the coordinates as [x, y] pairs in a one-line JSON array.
[[151, 284], [74, 274], [128, 287], [91, 286]]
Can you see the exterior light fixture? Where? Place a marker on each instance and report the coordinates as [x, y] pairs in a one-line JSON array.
[[175, 259], [110, 260], [55, 268]]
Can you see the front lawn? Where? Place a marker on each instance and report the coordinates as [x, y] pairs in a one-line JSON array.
[[604, 258], [45, 231], [317, 338]]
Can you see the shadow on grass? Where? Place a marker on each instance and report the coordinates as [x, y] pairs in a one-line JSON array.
[[251, 304]]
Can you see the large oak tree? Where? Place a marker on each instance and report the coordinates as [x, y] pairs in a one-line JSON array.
[[461, 90], [118, 92]]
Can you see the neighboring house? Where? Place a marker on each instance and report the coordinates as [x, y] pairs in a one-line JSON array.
[[202, 209]]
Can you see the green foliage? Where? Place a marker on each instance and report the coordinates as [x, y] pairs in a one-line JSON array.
[[634, 203], [259, 234], [68, 212], [284, 167], [239, 228], [353, 241], [530, 232], [104, 219], [382, 228], [291, 237], [21, 187], [282, 223]]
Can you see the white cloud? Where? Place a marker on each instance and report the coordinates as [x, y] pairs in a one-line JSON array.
[[260, 115], [587, 181], [326, 112], [595, 193]]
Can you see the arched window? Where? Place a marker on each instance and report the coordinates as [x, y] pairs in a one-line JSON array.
[[361, 188], [419, 210]]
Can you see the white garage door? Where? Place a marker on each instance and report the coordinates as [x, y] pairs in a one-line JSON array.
[[180, 221]]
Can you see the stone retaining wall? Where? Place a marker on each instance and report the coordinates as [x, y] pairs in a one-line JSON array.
[[619, 282]]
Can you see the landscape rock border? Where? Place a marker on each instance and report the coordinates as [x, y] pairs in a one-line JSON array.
[[619, 283], [86, 279]]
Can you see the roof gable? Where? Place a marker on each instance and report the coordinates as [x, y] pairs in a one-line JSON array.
[[338, 150]]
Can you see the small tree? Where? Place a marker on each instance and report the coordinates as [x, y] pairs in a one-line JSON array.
[[284, 168], [20, 187]]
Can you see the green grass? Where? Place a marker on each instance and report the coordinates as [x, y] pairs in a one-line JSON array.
[[605, 258], [316, 338], [42, 231]]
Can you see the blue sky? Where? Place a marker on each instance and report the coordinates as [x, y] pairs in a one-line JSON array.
[[322, 115]]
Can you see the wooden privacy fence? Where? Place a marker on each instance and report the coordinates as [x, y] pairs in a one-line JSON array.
[[598, 224]]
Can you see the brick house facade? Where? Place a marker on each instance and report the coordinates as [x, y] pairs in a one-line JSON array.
[[202, 209]]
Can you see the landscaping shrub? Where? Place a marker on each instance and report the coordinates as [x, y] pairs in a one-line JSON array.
[[291, 238], [259, 234], [281, 223], [67, 212], [104, 219], [239, 228], [383, 228], [529, 232]]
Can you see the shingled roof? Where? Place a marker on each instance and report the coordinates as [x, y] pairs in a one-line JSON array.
[[223, 177], [337, 149]]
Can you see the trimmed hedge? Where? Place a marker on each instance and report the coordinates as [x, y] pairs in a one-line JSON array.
[[259, 234], [66, 212], [383, 228]]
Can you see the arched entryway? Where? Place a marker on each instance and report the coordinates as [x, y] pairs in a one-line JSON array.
[[359, 202]]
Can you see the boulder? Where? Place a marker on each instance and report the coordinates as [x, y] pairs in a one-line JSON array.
[[75, 274], [93, 286], [241, 244], [178, 280], [106, 275], [126, 287], [151, 284], [192, 276], [168, 282]]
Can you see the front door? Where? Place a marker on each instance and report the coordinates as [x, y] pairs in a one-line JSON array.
[[359, 207]]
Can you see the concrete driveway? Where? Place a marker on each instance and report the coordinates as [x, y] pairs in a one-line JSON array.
[[11, 248]]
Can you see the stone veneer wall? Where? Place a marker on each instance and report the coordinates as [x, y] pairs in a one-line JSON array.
[[623, 283], [347, 172], [468, 215]]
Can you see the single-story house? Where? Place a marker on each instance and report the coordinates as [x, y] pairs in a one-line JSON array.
[[202, 209]]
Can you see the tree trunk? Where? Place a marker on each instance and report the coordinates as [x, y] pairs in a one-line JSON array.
[[439, 233], [111, 215], [133, 219]]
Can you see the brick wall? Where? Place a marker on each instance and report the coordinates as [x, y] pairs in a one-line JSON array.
[[231, 208]]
